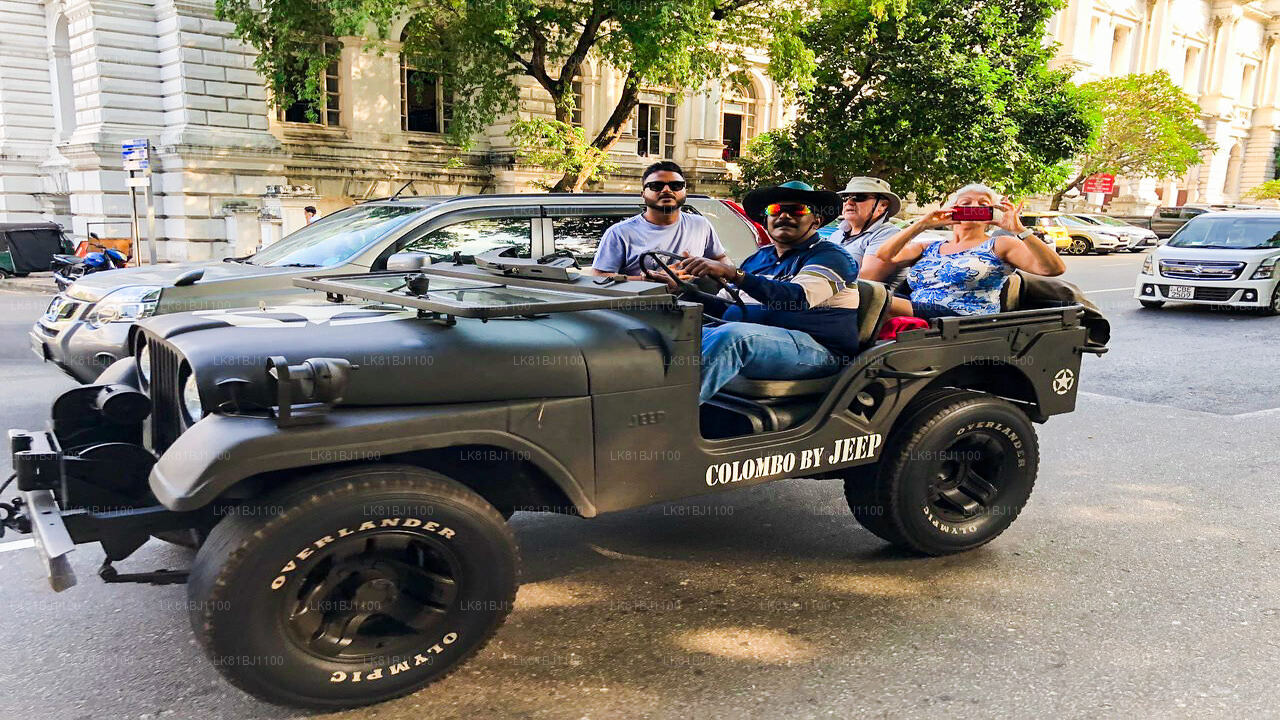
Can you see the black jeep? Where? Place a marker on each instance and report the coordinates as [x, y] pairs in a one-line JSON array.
[[346, 469]]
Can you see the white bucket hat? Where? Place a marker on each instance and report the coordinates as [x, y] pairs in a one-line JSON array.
[[874, 186]]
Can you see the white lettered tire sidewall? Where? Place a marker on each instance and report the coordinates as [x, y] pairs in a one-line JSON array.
[[925, 530], [253, 564]]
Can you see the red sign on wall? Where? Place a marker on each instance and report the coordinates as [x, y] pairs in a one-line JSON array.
[[1100, 183]]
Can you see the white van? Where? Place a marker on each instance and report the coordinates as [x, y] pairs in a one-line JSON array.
[[1221, 258]]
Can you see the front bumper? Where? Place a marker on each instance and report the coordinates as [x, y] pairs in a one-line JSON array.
[[1233, 293], [37, 463], [77, 348]]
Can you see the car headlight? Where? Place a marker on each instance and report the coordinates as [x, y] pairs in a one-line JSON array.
[[1146, 265], [1266, 270], [191, 398], [144, 364], [126, 304]]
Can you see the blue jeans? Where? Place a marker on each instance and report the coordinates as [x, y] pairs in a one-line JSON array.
[[763, 352]]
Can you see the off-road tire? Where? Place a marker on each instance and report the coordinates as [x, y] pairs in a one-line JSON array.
[[388, 537], [861, 482], [1152, 304], [904, 499]]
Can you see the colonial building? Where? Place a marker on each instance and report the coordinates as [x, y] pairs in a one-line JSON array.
[[1222, 52], [78, 77]]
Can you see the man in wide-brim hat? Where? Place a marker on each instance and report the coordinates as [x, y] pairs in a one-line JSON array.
[[801, 296]]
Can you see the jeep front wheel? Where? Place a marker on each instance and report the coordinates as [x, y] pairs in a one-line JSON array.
[[353, 586], [954, 476]]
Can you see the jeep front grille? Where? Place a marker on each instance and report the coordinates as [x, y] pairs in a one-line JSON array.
[[1201, 269], [166, 396]]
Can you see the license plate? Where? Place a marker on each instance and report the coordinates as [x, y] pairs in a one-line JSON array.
[[1181, 292]]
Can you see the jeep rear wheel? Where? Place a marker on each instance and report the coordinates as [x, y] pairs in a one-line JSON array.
[[352, 587], [954, 476]]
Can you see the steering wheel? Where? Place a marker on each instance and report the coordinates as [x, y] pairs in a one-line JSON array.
[[702, 289]]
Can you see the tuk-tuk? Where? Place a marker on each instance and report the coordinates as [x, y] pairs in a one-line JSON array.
[[30, 247]]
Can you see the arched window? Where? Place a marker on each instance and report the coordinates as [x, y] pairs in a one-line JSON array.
[[426, 101], [738, 119], [64, 84], [656, 124], [328, 109]]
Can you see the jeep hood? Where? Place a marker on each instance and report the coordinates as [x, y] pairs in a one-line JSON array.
[[402, 359]]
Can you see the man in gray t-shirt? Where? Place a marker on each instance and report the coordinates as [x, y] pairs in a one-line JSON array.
[[662, 226]]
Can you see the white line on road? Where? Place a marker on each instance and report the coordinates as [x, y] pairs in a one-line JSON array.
[[17, 545], [1128, 288]]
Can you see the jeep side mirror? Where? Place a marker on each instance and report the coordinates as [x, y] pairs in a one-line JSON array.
[[408, 261]]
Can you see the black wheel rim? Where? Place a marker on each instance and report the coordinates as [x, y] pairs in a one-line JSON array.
[[970, 479], [375, 596]]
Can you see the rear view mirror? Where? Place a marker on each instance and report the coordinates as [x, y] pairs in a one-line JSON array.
[[409, 261]]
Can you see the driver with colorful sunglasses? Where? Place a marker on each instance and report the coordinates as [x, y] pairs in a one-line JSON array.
[[800, 296]]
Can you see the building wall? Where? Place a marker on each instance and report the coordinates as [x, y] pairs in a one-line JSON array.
[[1222, 52], [79, 77]]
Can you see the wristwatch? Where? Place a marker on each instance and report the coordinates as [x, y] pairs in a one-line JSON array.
[[1026, 234]]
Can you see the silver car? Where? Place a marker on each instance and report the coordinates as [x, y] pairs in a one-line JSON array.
[[1088, 236], [1139, 239], [86, 328]]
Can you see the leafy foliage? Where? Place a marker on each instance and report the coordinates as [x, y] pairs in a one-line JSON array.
[[1146, 127], [484, 45], [1269, 190], [929, 95], [559, 148]]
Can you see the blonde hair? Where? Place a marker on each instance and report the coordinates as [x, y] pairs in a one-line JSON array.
[[992, 194]]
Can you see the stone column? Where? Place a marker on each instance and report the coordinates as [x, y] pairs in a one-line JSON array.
[[26, 112], [1259, 160]]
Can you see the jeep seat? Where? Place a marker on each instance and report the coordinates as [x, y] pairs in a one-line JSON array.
[[873, 305], [1011, 293]]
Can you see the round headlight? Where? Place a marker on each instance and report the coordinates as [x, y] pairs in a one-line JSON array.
[[191, 398], [144, 364]]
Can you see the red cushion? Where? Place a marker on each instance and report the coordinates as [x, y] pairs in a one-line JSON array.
[[895, 325]]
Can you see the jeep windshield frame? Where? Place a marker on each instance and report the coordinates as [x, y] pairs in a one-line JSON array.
[[448, 294]]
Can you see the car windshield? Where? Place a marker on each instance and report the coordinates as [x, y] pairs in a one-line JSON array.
[[1073, 221], [337, 238], [1237, 233], [1086, 218], [1046, 220]]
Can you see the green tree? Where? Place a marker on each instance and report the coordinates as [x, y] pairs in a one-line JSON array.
[[484, 45], [1146, 127], [1269, 190], [929, 95]]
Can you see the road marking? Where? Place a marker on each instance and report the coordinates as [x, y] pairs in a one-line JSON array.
[[1127, 289], [18, 545]]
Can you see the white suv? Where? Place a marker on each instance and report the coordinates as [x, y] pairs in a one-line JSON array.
[[1221, 258]]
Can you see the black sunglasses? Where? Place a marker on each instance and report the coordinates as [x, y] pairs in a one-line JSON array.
[[657, 185], [859, 197]]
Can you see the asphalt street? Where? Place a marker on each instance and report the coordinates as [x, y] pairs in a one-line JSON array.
[[1142, 580]]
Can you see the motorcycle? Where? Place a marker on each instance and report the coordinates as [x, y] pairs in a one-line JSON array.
[[69, 268]]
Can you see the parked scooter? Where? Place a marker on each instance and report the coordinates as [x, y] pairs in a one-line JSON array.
[[69, 268]]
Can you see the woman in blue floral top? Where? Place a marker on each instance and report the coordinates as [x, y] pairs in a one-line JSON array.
[[964, 275]]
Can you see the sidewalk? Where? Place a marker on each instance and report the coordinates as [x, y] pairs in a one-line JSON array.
[[40, 283]]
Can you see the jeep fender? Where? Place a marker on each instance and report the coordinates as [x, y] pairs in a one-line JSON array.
[[221, 450]]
